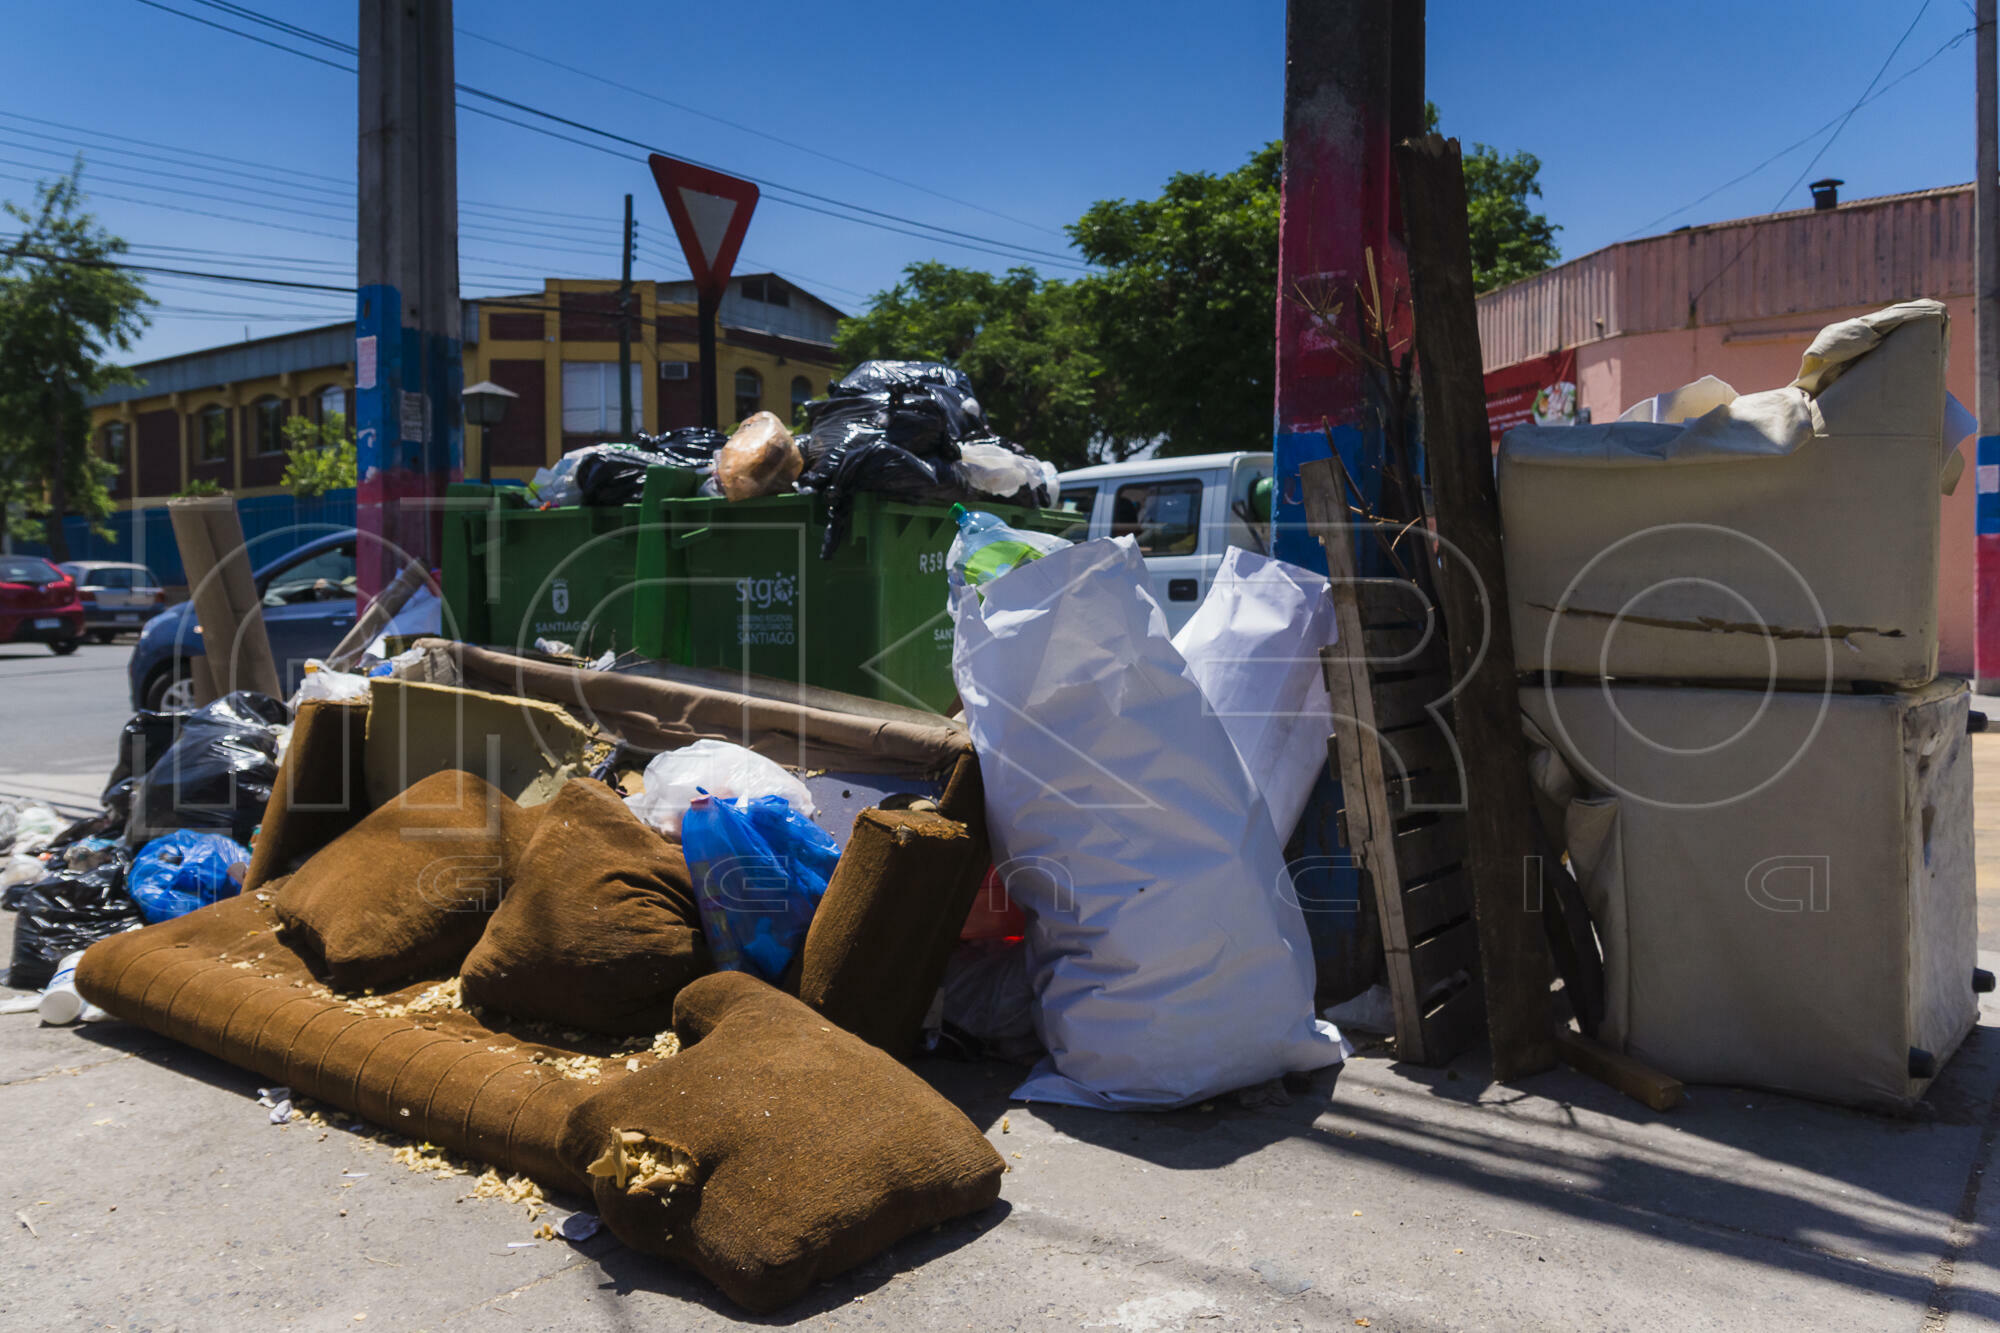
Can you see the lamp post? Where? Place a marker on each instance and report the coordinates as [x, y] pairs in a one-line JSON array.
[[486, 405]]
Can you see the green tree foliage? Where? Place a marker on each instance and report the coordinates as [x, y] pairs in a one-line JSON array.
[[1182, 310], [1018, 337], [63, 309], [1510, 241], [1171, 340], [318, 458]]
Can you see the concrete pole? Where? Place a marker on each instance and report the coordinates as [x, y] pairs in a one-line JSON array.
[[409, 430], [1986, 214], [625, 330]]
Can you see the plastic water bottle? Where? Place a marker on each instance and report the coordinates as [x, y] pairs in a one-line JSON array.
[[986, 548]]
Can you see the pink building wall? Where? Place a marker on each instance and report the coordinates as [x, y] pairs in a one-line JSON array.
[[1613, 373]]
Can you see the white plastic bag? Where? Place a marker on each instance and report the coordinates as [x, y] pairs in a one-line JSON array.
[[1169, 957], [1253, 648], [995, 470], [718, 768], [329, 686]]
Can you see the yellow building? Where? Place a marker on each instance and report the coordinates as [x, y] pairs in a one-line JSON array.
[[219, 414]]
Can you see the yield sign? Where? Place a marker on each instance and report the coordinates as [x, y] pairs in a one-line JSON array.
[[711, 212]]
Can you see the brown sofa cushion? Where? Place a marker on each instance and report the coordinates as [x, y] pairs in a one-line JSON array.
[[600, 929], [405, 892], [775, 1150], [900, 892]]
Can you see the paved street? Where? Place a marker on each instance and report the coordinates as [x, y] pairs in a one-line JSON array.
[[59, 719]]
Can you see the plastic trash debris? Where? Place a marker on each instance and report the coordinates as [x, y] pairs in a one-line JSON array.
[[675, 778], [759, 869], [29, 826], [281, 1114], [175, 874], [272, 1096], [21, 868], [579, 1226], [422, 614], [985, 548], [59, 1004], [993, 468], [988, 994], [760, 459], [1373, 1010], [217, 776], [692, 447], [65, 911], [1134, 834], [324, 685], [1253, 647], [613, 474]]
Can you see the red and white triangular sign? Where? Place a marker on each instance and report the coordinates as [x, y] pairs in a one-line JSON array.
[[711, 212]]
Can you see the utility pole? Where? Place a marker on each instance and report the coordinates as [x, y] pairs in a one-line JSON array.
[[1986, 483], [407, 359], [625, 332]]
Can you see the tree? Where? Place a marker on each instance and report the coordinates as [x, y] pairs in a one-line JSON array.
[[64, 306], [1182, 309], [318, 458], [1017, 336], [1510, 241]]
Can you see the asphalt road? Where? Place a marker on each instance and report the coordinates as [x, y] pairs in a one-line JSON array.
[[59, 720]]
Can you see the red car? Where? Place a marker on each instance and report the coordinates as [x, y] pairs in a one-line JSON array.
[[38, 604]]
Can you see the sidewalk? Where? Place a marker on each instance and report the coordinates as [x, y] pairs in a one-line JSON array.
[[1414, 1199]]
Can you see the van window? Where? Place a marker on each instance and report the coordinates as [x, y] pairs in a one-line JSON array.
[[1078, 501], [1163, 516]]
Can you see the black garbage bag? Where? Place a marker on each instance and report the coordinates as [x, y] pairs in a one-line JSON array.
[[689, 446], [69, 908], [217, 776], [862, 459], [614, 474], [146, 736], [928, 389]]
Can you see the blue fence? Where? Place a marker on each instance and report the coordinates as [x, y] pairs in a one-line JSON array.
[[272, 525]]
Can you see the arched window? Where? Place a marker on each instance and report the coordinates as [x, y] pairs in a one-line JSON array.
[[267, 426], [802, 392], [330, 402], [749, 393], [211, 434], [117, 437]]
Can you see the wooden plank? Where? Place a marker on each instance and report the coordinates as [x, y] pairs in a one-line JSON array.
[[1424, 748], [1453, 949], [1424, 851], [1370, 826], [1404, 703], [1436, 903], [1436, 789], [1456, 1021], [1392, 602], [1387, 646], [1633, 1077], [1472, 585]]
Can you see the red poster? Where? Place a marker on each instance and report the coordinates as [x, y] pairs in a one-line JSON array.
[[1540, 392]]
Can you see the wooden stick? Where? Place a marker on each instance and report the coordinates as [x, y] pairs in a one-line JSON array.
[[1616, 1069], [1472, 586], [224, 592]]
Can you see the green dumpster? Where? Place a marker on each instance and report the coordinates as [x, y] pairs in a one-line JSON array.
[[740, 586], [513, 575]]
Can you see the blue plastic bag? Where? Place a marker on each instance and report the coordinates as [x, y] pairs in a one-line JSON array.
[[759, 869], [175, 874]]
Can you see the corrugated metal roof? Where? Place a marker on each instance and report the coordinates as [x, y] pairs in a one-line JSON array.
[[1864, 252]]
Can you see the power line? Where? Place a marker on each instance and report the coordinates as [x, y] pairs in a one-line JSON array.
[[1793, 147], [932, 232], [1751, 238], [747, 129]]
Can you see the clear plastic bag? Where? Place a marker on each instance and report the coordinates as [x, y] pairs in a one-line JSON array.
[[675, 778], [760, 459], [173, 875], [759, 869]]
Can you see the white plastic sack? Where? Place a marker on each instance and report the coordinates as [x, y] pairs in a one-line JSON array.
[[718, 768], [328, 686], [1253, 648], [422, 614], [1169, 957]]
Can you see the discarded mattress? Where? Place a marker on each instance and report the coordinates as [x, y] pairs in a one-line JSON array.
[[1783, 883], [1786, 535]]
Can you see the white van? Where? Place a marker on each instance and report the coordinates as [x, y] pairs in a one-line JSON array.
[[1184, 512]]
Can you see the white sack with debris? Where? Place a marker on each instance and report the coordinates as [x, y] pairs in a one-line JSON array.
[[1167, 950], [1253, 648]]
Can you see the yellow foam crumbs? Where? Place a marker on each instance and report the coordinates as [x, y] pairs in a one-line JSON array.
[[638, 1166], [512, 1189]]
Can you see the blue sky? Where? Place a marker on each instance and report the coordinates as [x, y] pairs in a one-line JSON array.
[[1022, 113]]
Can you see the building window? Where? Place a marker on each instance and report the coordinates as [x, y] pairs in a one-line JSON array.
[[211, 434], [766, 289], [802, 392], [749, 393], [590, 398], [329, 403], [117, 437], [267, 426]]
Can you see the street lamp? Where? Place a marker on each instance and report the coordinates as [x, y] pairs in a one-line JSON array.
[[485, 405]]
